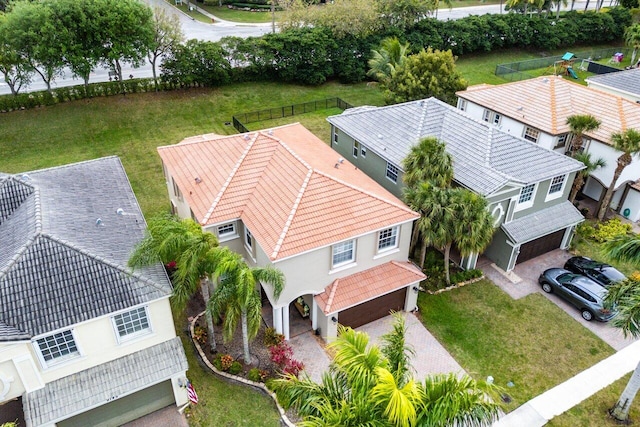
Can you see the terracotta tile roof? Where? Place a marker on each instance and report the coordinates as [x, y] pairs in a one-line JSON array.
[[284, 185], [546, 102], [369, 284]]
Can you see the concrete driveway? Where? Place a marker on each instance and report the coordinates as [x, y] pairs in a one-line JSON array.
[[523, 280]]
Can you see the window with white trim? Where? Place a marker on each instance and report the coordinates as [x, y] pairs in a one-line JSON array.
[[491, 117], [531, 134], [356, 148], [392, 172], [335, 138], [227, 230], [486, 116], [388, 239], [248, 238], [562, 140], [176, 189], [526, 194], [363, 151], [557, 184], [496, 119], [57, 347], [462, 104], [132, 323], [343, 253]]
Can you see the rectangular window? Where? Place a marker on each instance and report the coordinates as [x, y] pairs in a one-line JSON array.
[[343, 253], [132, 323], [486, 116], [335, 137], [363, 151], [562, 140], [462, 104], [356, 148], [496, 119], [392, 172], [176, 189], [248, 238], [531, 134], [556, 184], [526, 194], [58, 347], [226, 230], [388, 239]]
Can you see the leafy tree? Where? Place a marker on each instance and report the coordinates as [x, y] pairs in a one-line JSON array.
[[629, 143], [196, 62], [16, 69], [632, 39], [167, 33], [403, 14], [579, 124], [369, 385], [195, 253], [423, 75], [384, 61], [238, 298], [625, 297], [590, 166]]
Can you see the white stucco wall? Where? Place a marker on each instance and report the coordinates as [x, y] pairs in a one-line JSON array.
[[632, 202], [18, 371], [610, 155]]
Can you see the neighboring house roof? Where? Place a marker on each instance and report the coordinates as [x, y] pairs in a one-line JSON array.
[[542, 222], [485, 159], [366, 285], [99, 384], [64, 249], [286, 185], [627, 81], [546, 102]]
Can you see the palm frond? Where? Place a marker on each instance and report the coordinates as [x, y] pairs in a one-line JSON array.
[[624, 297], [398, 403], [624, 248]]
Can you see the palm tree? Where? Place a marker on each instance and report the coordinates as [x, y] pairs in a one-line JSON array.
[[579, 124], [473, 227], [629, 143], [625, 296], [365, 386], [387, 59], [195, 253], [581, 176], [632, 39], [624, 248], [238, 298]]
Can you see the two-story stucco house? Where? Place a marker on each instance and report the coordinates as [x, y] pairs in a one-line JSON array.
[[537, 110], [283, 198], [83, 340], [525, 185]]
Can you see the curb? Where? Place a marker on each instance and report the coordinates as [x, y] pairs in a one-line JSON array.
[[456, 286], [236, 378]]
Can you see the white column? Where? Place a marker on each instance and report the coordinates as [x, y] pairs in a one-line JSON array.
[[277, 319], [285, 322], [314, 314]]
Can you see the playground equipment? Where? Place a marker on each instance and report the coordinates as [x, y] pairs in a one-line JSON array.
[[564, 65]]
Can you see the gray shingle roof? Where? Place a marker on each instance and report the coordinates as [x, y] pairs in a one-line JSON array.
[[98, 385], [484, 158], [626, 81], [9, 333], [59, 265], [542, 222]]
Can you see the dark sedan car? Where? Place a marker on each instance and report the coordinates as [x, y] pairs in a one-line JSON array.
[[599, 272], [585, 294]]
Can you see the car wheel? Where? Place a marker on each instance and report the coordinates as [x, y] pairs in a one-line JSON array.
[[587, 315], [547, 287]]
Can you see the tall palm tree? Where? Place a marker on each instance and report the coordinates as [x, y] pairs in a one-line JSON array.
[[387, 59], [474, 223], [625, 296], [590, 166], [364, 386], [579, 124], [195, 253], [629, 143], [632, 39], [238, 298]]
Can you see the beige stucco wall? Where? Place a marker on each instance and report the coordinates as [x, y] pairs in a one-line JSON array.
[[17, 368]]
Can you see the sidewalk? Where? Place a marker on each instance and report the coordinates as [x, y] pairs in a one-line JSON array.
[[539, 410]]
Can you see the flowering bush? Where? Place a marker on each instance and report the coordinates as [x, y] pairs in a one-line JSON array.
[[200, 335], [282, 355], [226, 361]]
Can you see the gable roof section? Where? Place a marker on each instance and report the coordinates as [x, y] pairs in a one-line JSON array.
[[285, 187], [542, 222], [627, 81], [546, 102], [59, 265], [485, 159]]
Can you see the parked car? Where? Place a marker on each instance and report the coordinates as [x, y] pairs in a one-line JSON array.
[[599, 272], [585, 294]]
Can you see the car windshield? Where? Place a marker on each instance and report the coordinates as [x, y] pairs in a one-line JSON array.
[[613, 274], [565, 277]]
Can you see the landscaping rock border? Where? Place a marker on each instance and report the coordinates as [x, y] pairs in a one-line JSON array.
[[456, 286], [236, 378]]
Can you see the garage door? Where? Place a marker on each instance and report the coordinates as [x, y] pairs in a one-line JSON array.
[[540, 246], [125, 409], [373, 310]]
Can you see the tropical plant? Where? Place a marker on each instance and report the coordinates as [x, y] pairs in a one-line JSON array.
[[629, 143], [473, 226], [632, 39], [384, 61], [237, 296], [625, 297], [195, 253], [579, 124], [581, 176], [625, 247], [368, 385]]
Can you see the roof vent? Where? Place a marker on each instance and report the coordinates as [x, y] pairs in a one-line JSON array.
[[247, 137], [340, 160], [380, 136], [520, 108], [99, 222], [545, 80], [198, 180], [270, 131], [25, 177]]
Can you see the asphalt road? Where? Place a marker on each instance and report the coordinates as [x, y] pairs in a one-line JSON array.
[[215, 31]]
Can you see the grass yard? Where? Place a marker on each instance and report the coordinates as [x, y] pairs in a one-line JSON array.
[[531, 341], [133, 126], [194, 14], [236, 15]]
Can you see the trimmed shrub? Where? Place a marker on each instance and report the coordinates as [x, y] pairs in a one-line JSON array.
[[235, 368]]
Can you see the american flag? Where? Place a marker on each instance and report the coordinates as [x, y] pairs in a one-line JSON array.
[[191, 393]]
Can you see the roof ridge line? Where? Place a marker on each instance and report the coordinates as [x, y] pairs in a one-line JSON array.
[[294, 210], [623, 117], [332, 294], [18, 254], [233, 173], [424, 105], [407, 265], [68, 165], [553, 104]]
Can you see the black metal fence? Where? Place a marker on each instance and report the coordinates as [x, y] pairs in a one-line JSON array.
[[286, 111], [513, 71]]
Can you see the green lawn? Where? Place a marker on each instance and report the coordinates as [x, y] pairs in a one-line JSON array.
[[531, 341], [184, 7], [236, 15]]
